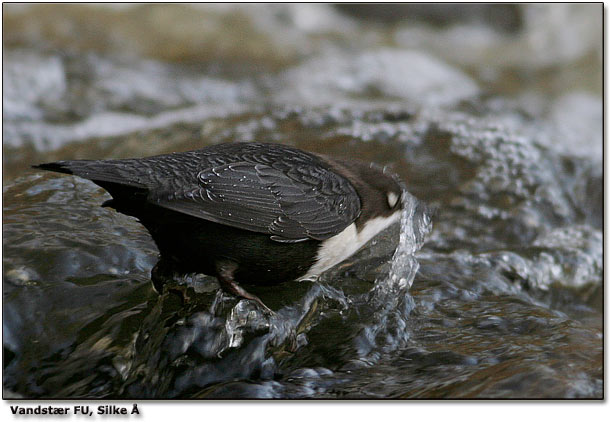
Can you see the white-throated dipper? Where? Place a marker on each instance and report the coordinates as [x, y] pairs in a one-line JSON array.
[[251, 213]]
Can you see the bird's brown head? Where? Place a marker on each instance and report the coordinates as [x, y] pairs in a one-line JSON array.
[[379, 189]]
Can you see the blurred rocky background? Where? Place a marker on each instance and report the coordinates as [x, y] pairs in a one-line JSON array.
[[491, 113]]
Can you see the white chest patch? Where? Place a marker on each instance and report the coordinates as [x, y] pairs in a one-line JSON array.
[[345, 244]]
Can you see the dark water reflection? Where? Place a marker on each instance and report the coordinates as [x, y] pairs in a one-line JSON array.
[[502, 299]]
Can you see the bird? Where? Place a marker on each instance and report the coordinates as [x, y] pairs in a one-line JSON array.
[[248, 212]]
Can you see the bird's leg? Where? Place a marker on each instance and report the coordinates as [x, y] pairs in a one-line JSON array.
[[225, 271], [164, 272], [160, 274]]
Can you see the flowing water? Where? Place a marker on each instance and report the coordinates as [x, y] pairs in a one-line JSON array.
[[491, 286]]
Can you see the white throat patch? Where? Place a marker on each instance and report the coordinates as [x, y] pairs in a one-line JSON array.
[[340, 247]]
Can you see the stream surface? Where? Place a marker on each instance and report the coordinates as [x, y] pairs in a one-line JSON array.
[[491, 286]]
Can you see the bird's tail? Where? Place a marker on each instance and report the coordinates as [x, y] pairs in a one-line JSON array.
[[104, 171]]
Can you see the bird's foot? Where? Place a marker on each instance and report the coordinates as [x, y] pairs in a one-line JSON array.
[[162, 276], [225, 271]]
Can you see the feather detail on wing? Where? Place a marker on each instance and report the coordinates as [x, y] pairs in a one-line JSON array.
[[304, 202]]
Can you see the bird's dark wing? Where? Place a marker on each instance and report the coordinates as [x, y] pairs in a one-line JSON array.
[[307, 201], [266, 188]]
